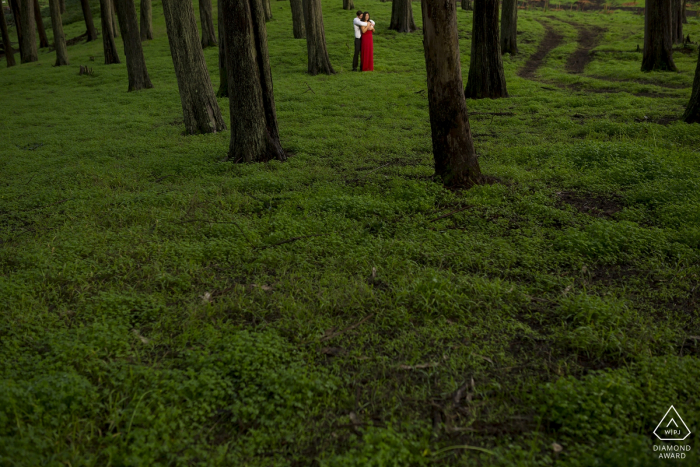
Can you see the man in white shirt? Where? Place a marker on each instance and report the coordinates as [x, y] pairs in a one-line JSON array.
[[357, 23]]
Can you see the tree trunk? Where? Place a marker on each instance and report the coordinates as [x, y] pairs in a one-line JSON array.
[[509, 27], [28, 49], [63, 6], [9, 54], [684, 18], [298, 18], [486, 77], [658, 42], [108, 43], [692, 111], [268, 9], [115, 26], [677, 21], [135, 61], [254, 131], [43, 40], [319, 62], [59, 39], [207, 20], [91, 31], [402, 16], [453, 148], [17, 16], [199, 106], [467, 5], [347, 5], [146, 29], [223, 74]]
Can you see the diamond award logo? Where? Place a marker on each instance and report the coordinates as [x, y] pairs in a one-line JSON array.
[[672, 427]]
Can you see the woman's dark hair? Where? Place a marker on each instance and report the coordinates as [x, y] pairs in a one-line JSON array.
[[365, 13]]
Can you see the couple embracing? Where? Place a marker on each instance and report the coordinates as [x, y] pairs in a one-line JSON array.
[[364, 43]]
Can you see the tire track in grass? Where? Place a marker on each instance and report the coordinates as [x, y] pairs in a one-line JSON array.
[[551, 41]]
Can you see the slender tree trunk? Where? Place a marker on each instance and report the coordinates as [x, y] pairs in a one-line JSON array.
[[63, 6], [509, 27], [486, 76], [108, 43], [319, 62], [89, 24], [684, 18], [453, 148], [254, 131], [298, 18], [347, 5], [207, 20], [467, 5], [692, 111], [658, 41], [677, 21], [199, 106], [59, 39], [223, 74], [115, 26], [146, 20], [43, 40], [28, 50], [268, 9], [402, 16], [9, 54], [17, 15], [135, 61]]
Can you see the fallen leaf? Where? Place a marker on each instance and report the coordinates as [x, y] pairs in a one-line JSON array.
[[141, 338], [206, 298], [556, 447]]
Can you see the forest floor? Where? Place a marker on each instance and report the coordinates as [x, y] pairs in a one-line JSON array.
[[163, 307]]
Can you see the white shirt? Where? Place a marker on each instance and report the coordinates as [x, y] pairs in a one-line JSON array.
[[358, 23]]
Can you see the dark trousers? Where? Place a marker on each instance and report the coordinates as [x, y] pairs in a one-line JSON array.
[[358, 46]]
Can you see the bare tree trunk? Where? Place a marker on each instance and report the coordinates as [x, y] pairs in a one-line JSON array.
[[146, 23], [17, 16], [59, 39], [677, 21], [135, 61], [89, 24], [7, 45], [318, 59], [683, 16], [658, 41], [298, 18], [43, 40], [486, 76], [199, 106], [223, 74], [467, 5], [402, 16], [268, 9], [692, 110], [115, 26], [207, 20], [28, 50], [254, 131], [108, 43], [63, 6], [453, 148], [347, 5], [509, 27]]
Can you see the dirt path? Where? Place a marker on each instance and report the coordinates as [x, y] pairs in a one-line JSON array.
[[588, 38], [551, 40]]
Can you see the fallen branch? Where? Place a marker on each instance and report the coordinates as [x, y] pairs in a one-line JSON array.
[[417, 367], [307, 85], [349, 328], [450, 213]]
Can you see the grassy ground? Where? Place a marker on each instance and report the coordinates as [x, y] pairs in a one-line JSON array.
[[162, 307]]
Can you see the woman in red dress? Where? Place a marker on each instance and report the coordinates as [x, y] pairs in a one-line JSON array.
[[367, 44]]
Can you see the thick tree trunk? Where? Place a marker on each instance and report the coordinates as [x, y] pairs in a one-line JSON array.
[[108, 43], [658, 42], [199, 106], [684, 18], [467, 5], [223, 74], [402, 16], [146, 23], [318, 59], [28, 49], [89, 24], [115, 26], [207, 20], [254, 131], [59, 39], [509, 27], [63, 6], [43, 40], [17, 16], [7, 45], [135, 61], [348, 5], [298, 18], [692, 111], [453, 148], [268, 9], [677, 21], [486, 76]]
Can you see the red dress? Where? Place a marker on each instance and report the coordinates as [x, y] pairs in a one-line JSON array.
[[367, 51]]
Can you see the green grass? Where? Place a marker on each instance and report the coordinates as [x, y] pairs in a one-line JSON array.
[[151, 314]]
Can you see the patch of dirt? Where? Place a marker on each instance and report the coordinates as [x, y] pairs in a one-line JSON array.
[[588, 38], [598, 206], [551, 40]]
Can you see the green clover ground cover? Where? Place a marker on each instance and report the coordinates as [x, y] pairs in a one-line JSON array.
[[163, 307]]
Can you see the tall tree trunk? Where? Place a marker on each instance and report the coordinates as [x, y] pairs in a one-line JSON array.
[[318, 59], [254, 131], [467, 5], [207, 20], [146, 29], [59, 39], [28, 49], [347, 5], [43, 40], [658, 42], [115, 26], [17, 16], [509, 27], [135, 61], [298, 18], [268, 9], [692, 111], [223, 74], [677, 21], [453, 148], [89, 24], [63, 6], [108, 43], [402, 16], [199, 106], [684, 18], [486, 77], [7, 45]]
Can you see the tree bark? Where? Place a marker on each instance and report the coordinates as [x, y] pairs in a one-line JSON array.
[[684, 18], [254, 131], [486, 76], [298, 18], [402, 16], [115, 26], [108, 43], [509, 27], [223, 74], [89, 24], [135, 61], [453, 148], [677, 21], [467, 5], [199, 106], [28, 50], [59, 39], [658, 42], [318, 59], [43, 40], [17, 16], [347, 5], [7, 45], [63, 6], [207, 20], [692, 110], [146, 22], [268, 9]]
